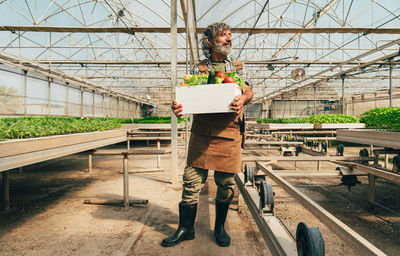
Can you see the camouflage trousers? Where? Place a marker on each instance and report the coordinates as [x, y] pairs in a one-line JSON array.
[[194, 179]]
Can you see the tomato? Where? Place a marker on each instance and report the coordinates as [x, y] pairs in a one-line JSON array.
[[219, 80], [221, 74], [229, 79]]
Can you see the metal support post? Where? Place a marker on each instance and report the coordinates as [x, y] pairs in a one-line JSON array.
[[318, 165], [67, 99], [158, 156], [126, 181], [90, 162], [102, 106], [6, 191], [386, 161], [93, 104], [390, 83], [295, 106], [342, 94], [48, 96], [174, 123], [315, 103], [82, 101], [25, 91]]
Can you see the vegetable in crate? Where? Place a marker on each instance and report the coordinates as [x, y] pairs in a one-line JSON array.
[[220, 78], [211, 78]]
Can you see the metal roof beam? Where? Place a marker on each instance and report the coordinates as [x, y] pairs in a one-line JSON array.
[[257, 77], [167, 62], [190, 23], [307, 26], [132, 30], [369, 63]]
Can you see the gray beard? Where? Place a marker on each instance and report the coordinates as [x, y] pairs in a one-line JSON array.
[[220, 48]]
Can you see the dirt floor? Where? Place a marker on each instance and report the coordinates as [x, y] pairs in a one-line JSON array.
[[48, 217], [379, 226]]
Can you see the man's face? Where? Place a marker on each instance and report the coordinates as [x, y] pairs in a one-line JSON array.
[[223, 42]]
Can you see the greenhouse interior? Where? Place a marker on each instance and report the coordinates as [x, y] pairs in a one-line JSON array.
[[129, 126]]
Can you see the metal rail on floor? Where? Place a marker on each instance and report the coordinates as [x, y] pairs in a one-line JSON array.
[[276, 237], [349, 236]]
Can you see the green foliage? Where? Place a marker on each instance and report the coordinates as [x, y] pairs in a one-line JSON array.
[[387, 118], [283, 120], [332, 119], [31, 127], [195, 79], [203, 79], [316, 119], [238, 80]]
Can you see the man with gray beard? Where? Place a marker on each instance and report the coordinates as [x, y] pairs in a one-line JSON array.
[[215, 142]]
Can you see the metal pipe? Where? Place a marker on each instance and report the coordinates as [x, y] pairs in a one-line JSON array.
[[158, 156], [295, 106], [390, 83], [82, 102], [93, 103], [315, 103], [25, 90], [48, 96], [174, 121], [126, 181], [66, 100], [342, 94], [6, 191], [90, 162]]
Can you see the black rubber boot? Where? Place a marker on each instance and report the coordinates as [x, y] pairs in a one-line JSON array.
[[221, 237], [187, 215]]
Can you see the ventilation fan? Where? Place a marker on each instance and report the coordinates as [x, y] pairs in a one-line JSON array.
[[298, 73]]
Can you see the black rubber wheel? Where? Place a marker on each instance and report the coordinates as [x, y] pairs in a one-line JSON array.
[[396, 162], [324, 146], [249, 173], [309, 241], [314, 143], [340, 149], [364, 153], [266, 195]]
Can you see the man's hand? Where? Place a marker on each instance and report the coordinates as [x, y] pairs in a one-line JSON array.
[[177, 108], [238, 104], [241, 100]]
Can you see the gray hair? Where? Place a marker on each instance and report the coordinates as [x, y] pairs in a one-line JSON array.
[[209, 34]]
